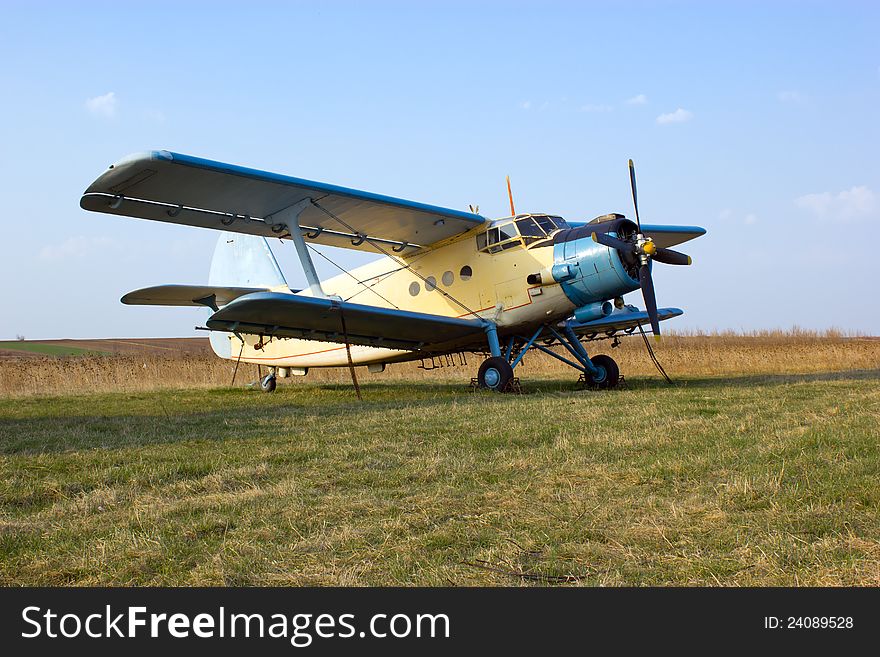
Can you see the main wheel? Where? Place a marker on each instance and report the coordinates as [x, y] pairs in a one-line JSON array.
[[610, 374], [495, 373], [267, 383]]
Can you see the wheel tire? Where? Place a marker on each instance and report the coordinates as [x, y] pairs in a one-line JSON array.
[[267, 383], [612, 372], [495, 373]]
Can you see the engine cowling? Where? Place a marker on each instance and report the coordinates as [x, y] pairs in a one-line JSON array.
[[588, 272]]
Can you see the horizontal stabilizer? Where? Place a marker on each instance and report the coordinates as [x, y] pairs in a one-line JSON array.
[[622, 320], [311, 318], [187, 295]]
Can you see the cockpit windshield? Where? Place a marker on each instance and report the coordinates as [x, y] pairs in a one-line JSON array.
[[523, 229]]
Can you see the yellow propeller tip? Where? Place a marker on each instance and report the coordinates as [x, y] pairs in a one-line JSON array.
[[593, 235], [656, 338], [690, 260]]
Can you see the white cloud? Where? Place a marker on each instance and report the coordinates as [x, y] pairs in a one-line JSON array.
[[852, 203], [596, 108], [678, 116], [641, 99], [727, 216], [103, 105], [75, 247], [526, 105], [789, 97]]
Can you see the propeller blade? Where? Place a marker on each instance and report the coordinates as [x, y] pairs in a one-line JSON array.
[[632, 182], [612, 242], [650, 299], [670, 257]]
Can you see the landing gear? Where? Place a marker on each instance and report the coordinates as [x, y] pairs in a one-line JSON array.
[[495, 373], [267, 383], [609, 373]]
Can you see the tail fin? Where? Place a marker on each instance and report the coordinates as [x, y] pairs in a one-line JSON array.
[[241, 261], [244, 261]]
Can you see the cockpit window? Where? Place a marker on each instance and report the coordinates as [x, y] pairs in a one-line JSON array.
[[523, 229], [530, 230]]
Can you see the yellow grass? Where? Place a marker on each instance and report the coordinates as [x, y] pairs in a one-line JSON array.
[[724, 354]]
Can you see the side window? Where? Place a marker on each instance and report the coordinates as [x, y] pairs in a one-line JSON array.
[[498, 238], [466, 273]]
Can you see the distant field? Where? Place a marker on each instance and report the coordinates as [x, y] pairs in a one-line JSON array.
[[22, 348], [746, 472], [104, 347]]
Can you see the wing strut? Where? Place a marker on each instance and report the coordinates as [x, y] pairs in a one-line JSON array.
[[290, 217]]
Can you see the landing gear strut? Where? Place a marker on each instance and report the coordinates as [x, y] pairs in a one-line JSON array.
[[267, 383], [496, 372]]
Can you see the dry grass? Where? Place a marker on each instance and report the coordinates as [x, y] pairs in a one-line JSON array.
[[763, 480], [681, 355], [759, 468]]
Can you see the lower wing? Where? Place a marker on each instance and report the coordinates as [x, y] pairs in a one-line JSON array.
[[625, 320], [330, 320]]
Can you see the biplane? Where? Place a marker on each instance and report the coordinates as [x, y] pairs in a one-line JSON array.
[[448, 282]]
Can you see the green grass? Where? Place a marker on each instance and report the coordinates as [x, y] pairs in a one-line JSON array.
[[49, 349], [765, 480]]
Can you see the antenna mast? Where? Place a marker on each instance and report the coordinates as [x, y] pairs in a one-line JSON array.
[[510, 196]]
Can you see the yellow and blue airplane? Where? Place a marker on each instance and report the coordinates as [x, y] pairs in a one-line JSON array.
[[449, 282]]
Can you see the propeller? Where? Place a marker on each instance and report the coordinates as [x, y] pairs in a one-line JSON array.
[[645, 249]]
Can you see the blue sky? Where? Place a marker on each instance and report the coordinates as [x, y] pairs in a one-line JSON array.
[[756, 120]]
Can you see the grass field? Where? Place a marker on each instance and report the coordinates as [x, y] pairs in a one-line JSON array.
[[763, 478]]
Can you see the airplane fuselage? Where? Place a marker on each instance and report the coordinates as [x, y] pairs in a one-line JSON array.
[[516, 287]]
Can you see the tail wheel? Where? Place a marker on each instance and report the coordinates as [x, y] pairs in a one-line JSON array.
[[267, 383], [610, 373], [495, 373]]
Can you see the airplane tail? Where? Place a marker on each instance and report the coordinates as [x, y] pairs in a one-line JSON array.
[[241, 261], [244, 261]]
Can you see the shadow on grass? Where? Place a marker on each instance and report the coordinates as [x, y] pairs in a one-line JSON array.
[[752, 380]]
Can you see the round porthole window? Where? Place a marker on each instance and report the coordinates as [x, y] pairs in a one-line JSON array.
[[466, 273], [447, 279], [430, 284], [414, 288]]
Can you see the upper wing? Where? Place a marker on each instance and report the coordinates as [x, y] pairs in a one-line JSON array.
[[621, 320], [312, 318], [189, 190]]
